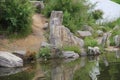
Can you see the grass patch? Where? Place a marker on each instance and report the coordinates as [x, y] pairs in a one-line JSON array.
[[44, 53], [76, 49], [90, 41]]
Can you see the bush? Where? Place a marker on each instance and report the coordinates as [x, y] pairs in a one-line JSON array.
[[44, 53], [72, 48], [16, 17], [90, 41], [75, 12], [97, 14], [117, 1]]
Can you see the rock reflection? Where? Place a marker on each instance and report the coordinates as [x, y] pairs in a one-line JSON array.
[[95, 71], [117, 53], [9, 71]]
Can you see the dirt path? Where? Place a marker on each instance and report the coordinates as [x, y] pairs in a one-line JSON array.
[[31, 42]]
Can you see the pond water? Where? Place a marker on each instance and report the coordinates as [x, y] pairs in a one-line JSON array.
[[85, 68]]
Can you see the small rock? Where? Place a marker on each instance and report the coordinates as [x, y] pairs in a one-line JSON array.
[[20, 53], [84, 33], [45, 44], [88, 28], [10, 60], [117, 40], [100, 33], [45, 26], [93, 50], [70, 54]]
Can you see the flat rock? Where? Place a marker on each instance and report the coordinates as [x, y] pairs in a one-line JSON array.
[[10, 60], [84, 33], [70, 54]]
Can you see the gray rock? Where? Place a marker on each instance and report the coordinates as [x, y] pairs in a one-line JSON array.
[[9, 60], [59, 34], [84, 33], [69, 54], [45, 26], [105, 39], [88, 28], [20, 53], [93, 50], [100, 33], [45, 44], [117, 40]]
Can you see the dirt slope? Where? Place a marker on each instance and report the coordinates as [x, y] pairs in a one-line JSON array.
[[31, 42]]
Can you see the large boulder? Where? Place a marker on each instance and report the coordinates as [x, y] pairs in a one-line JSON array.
[[59, 34], [70, 54], [9, 60], [84, 33]]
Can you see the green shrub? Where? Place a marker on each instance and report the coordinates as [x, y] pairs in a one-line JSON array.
[[16, 17], [97, 14], [74, 11], [90, 41], [117, 1], [44, 53], [72, 48]]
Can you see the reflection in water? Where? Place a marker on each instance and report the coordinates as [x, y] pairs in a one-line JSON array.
[[111, 72], [10, 71], [95, 71], [117, 53], [85, 68]]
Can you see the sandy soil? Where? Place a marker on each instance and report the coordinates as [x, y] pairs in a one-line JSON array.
[[31, 42]]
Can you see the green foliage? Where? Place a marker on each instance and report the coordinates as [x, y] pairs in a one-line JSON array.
[[90, 41], [16, 17], [44, 53], [72, 48], [75, 12], [83, 72], [97, 14], [117, 1], [113, 24]]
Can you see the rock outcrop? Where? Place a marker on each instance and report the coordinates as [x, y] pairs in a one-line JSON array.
[[9, 60], [59, 34]]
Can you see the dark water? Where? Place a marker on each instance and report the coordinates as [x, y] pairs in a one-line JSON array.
[[64, 70]]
